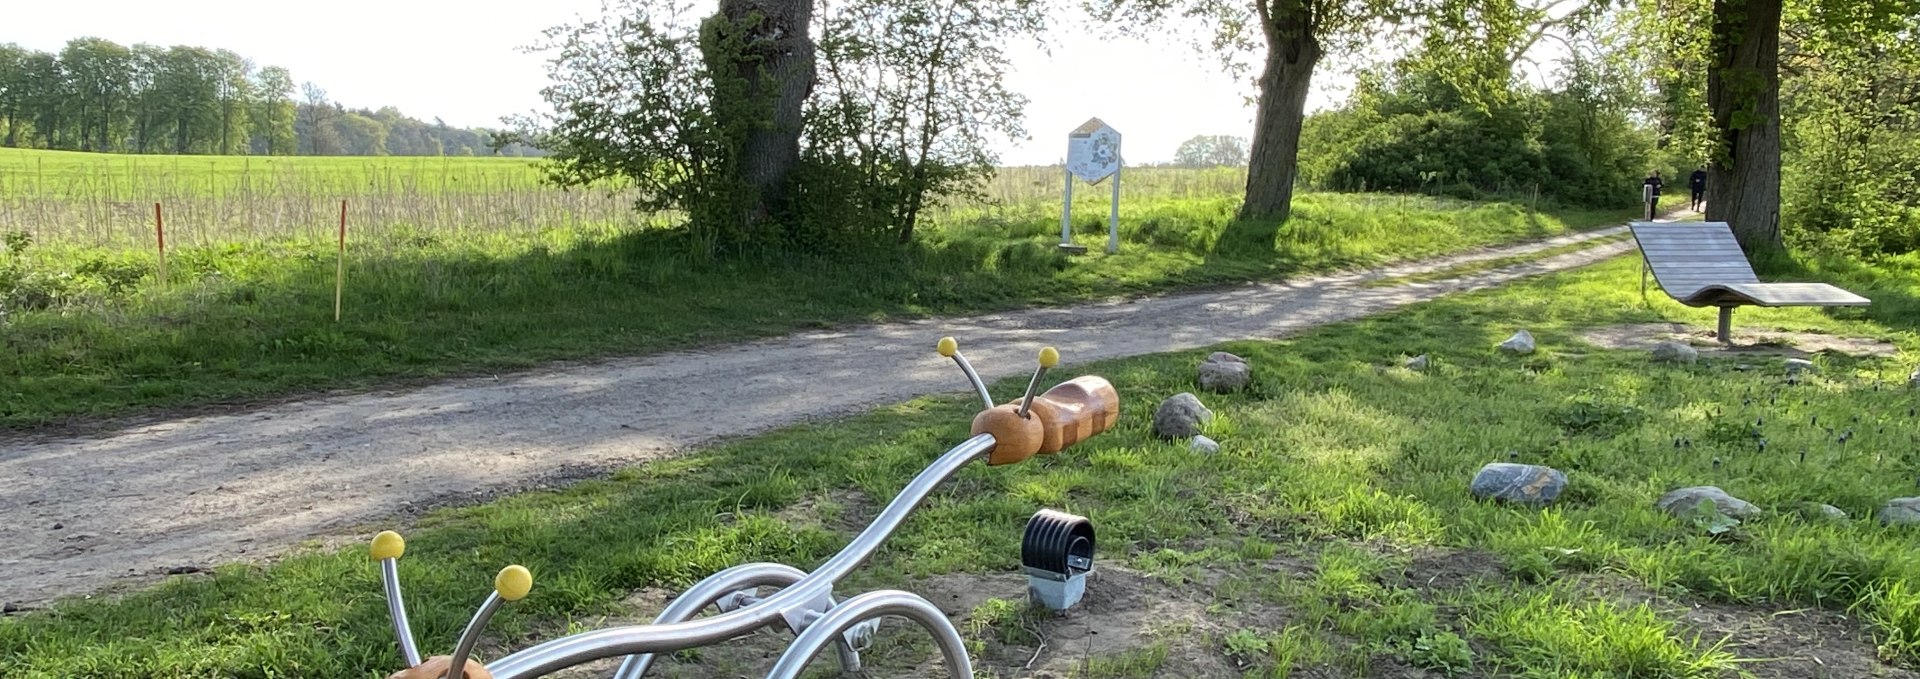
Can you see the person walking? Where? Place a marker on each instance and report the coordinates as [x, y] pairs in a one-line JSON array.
[[1698, 182], [1651, 189]]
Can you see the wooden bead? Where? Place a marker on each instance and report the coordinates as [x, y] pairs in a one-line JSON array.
[[1015, 438]]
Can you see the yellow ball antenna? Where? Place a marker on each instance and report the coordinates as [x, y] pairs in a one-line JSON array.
[[513, 583], [388, 545], [948, 347]]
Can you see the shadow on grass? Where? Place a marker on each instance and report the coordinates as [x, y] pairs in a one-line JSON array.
[[1889, 283], [1247, 240]]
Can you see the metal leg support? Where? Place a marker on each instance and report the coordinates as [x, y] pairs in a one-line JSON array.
[[872, 605], [715, 589]]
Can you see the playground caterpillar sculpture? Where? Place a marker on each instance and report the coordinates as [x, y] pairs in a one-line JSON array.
[[1011, 432]]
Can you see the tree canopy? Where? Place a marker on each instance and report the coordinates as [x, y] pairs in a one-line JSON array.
[[897, 105], [97, 95], [1210, 150]]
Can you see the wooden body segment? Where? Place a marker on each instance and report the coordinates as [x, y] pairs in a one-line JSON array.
[[438, 666], [1069, 413]]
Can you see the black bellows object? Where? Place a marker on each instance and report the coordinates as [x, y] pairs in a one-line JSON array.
[[1057, 543]]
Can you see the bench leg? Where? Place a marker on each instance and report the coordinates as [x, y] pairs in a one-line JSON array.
[[1726, 325]]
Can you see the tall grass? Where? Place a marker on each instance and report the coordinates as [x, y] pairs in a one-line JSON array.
[[66, 197], [107, 200]]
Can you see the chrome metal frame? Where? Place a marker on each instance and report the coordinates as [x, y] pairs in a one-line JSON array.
[[612, 642], [869, 606], [796, 604], [397, 610], [804, 602], [719, 586]]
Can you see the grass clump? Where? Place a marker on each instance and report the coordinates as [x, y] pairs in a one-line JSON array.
[[1541, 637]]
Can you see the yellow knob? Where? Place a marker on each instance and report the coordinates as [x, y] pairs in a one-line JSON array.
[[948, 347], [513, 583], [1049, 358], [388, 545]]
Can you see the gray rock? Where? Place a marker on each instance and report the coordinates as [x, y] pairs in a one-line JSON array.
[[1913, 380], [1525, 484], [1417, 363], [1203, 445], [1681, 501], [1520, 343], [1180, 416], [1901, 511], [1796, 366], [1821, 511], [1223, 372], [1675, 352]]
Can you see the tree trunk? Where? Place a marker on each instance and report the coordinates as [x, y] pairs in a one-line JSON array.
[[1292, 52], [774, 62], [1743, 92]]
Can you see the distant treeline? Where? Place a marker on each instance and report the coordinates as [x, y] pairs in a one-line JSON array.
[[97, 95]]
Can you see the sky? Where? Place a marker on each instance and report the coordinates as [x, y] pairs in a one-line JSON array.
[[463, 62]]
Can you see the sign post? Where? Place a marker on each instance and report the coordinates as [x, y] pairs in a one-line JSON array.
[[1093, 154]]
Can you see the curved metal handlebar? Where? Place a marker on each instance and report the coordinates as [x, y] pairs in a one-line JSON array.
[[642, 639]]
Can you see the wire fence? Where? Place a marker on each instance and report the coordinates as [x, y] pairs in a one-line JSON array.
[[109, 203]]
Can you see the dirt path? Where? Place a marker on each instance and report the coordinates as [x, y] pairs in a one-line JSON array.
[[86, 513]]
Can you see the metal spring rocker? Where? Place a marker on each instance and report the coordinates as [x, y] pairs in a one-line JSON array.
[[1007, 433]]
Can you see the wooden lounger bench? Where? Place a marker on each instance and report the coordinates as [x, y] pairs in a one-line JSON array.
[[1700, 264]]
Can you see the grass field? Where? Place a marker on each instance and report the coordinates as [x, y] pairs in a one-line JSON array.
[[1332, 536], [92, 331], [97, 199]]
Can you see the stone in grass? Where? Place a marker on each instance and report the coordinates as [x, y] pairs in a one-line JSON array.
[[1525, 484], [1682, 501], [1520, 343], [1223, 372], [1417, 363], [1180, 416], [1818, 511], [1675, 352], [1901, 511], [1796, 366], [1203, 445], [1913, 380]]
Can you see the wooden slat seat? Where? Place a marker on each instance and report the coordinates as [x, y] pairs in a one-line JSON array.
[[1700, 264]]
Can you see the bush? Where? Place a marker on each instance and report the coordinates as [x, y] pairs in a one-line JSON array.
[[1411, 130]]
